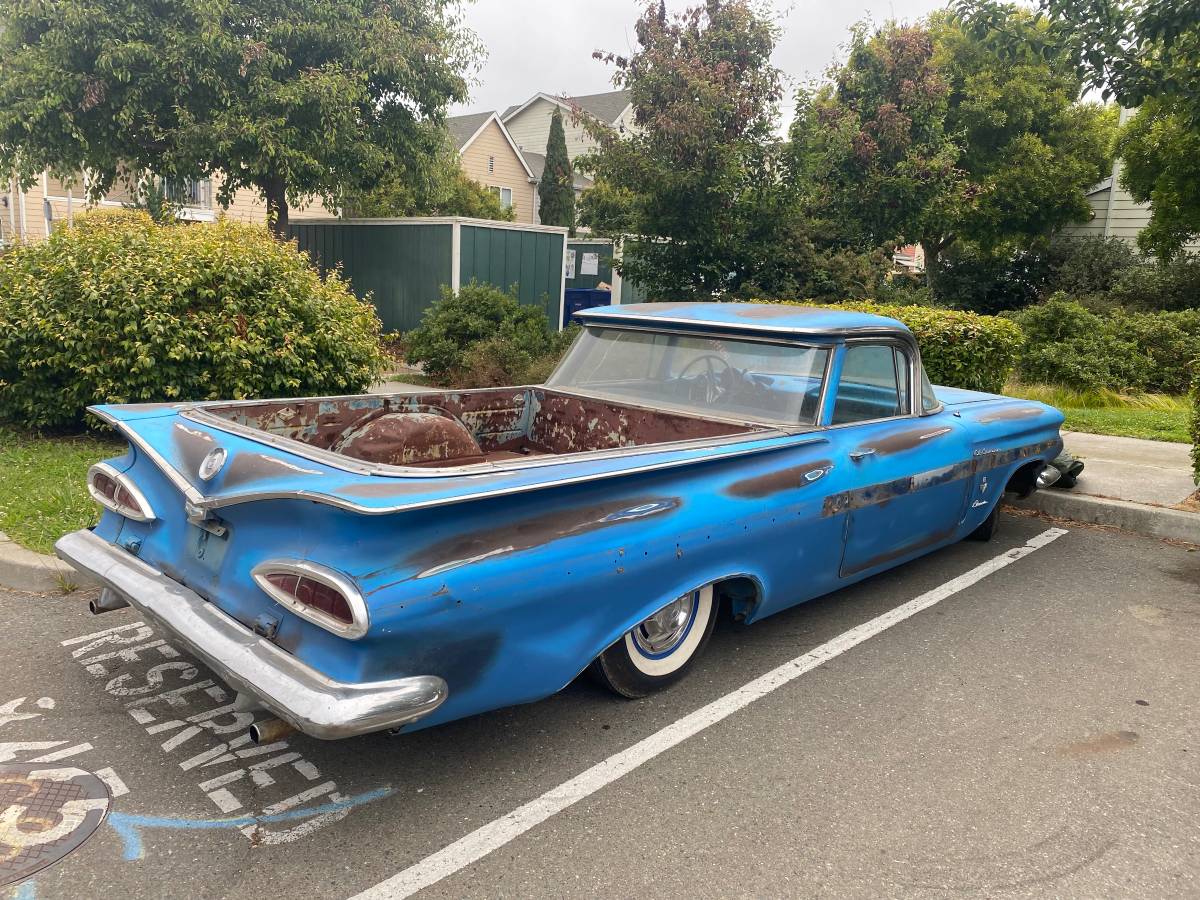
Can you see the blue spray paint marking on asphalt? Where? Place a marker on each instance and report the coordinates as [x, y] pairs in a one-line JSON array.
[[130, 826], [26, 890]]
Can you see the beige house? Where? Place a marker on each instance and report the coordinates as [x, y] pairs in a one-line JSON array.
[[31, 214], [529, 122], [488, 155]]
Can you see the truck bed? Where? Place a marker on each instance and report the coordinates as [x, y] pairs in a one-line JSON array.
[[449, 428]]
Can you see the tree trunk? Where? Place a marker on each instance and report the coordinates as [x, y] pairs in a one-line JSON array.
[[275, 193], [931, 262]]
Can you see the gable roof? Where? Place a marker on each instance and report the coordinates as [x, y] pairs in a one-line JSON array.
[[537, 165], [605, 107], [464, 130]]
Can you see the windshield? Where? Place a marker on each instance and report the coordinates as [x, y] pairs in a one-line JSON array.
[[730, 377]]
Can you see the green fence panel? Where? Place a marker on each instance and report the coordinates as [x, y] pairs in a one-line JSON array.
[[401, 268], [531, 260]]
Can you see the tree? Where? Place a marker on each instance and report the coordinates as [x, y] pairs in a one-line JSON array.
[[294, 99], [1147, 55], [1160, 147], [693, 178], [556, 190], [442, 189], [937, 134]]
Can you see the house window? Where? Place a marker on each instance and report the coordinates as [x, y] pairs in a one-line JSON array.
[[491, 164], [504, 194], [192, 192]]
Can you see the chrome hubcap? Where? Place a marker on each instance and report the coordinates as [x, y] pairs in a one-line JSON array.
[[665, 628]]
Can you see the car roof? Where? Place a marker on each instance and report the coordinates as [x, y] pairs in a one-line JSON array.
[[766, 318]]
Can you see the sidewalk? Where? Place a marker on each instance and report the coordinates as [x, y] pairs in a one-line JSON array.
[[1138, 485]]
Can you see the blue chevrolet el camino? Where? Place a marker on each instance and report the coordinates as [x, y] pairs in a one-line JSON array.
[[354, 564]]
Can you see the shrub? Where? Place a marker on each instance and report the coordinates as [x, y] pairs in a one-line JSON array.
[[119, 309], [1152, 286], [449, 341], [1088, 265], [499, 361], [1088, 361], [990, 283], [958, 349], [1057, 319], [1071, 345], [1170, 339]]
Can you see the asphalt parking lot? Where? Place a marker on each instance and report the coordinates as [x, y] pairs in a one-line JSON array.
[[1034, 733]]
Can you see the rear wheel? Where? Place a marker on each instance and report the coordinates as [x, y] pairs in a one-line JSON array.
[[661, 649]]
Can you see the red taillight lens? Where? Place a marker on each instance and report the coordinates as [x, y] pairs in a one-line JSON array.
[[313, 594], [113, 491], [324, 596]]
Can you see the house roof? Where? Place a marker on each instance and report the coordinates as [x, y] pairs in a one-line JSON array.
[[797, 321], [605, 107], [537, 165], [464, 130]]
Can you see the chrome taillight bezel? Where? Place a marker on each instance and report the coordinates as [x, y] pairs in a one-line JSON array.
[[343, 584], [142, 511]]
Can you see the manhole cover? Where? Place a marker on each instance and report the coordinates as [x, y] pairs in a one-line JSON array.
[[46, 812]]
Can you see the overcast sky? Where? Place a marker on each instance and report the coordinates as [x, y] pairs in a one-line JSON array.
[[546, 45]]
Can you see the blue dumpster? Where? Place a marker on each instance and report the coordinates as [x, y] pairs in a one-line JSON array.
[[583, 298]]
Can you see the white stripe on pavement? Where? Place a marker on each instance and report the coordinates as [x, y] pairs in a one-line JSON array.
[[494, 835]]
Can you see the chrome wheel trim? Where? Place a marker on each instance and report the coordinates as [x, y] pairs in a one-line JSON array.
[[677, 636], [665, 630]]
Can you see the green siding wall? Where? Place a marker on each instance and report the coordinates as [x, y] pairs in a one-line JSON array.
[[402, 267], [532, 260]]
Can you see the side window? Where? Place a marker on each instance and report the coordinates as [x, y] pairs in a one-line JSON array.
[[874, 384]]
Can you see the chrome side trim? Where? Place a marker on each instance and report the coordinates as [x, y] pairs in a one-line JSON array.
[[300, 695], [343, 584], [201, 416], [481, 493], [144, 512]]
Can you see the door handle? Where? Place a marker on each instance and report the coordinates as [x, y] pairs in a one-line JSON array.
[[856, 455]]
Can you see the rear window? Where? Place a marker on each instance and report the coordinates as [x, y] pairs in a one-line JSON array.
[[730, 377]]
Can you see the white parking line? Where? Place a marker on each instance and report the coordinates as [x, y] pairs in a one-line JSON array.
[[497, 833]]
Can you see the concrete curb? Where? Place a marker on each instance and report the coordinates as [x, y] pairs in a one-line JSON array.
[[1140, 518], [35, 573]]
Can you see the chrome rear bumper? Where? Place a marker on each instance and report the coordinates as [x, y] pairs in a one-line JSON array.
[[292, 690]]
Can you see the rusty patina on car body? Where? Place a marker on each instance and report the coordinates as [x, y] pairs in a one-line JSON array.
[[497, 541]]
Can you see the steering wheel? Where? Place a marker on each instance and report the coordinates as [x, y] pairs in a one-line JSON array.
[[712, 386]]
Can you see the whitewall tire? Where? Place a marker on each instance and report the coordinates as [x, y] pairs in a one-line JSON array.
[[660, 649]]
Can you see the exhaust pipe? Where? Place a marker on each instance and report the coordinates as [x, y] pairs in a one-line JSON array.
[[269, 730], [107, 602]]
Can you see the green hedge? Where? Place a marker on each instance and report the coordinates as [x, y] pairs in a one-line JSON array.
[[1066, 343], [119, 309], [958, 349]]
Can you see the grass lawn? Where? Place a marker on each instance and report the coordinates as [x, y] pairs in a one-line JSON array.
[[1151, 424], [42, 489], [1155, 417]]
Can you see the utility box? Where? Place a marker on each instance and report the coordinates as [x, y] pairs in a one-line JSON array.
[[402, 265]]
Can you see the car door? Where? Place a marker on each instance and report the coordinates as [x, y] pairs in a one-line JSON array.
[[907, 471]]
